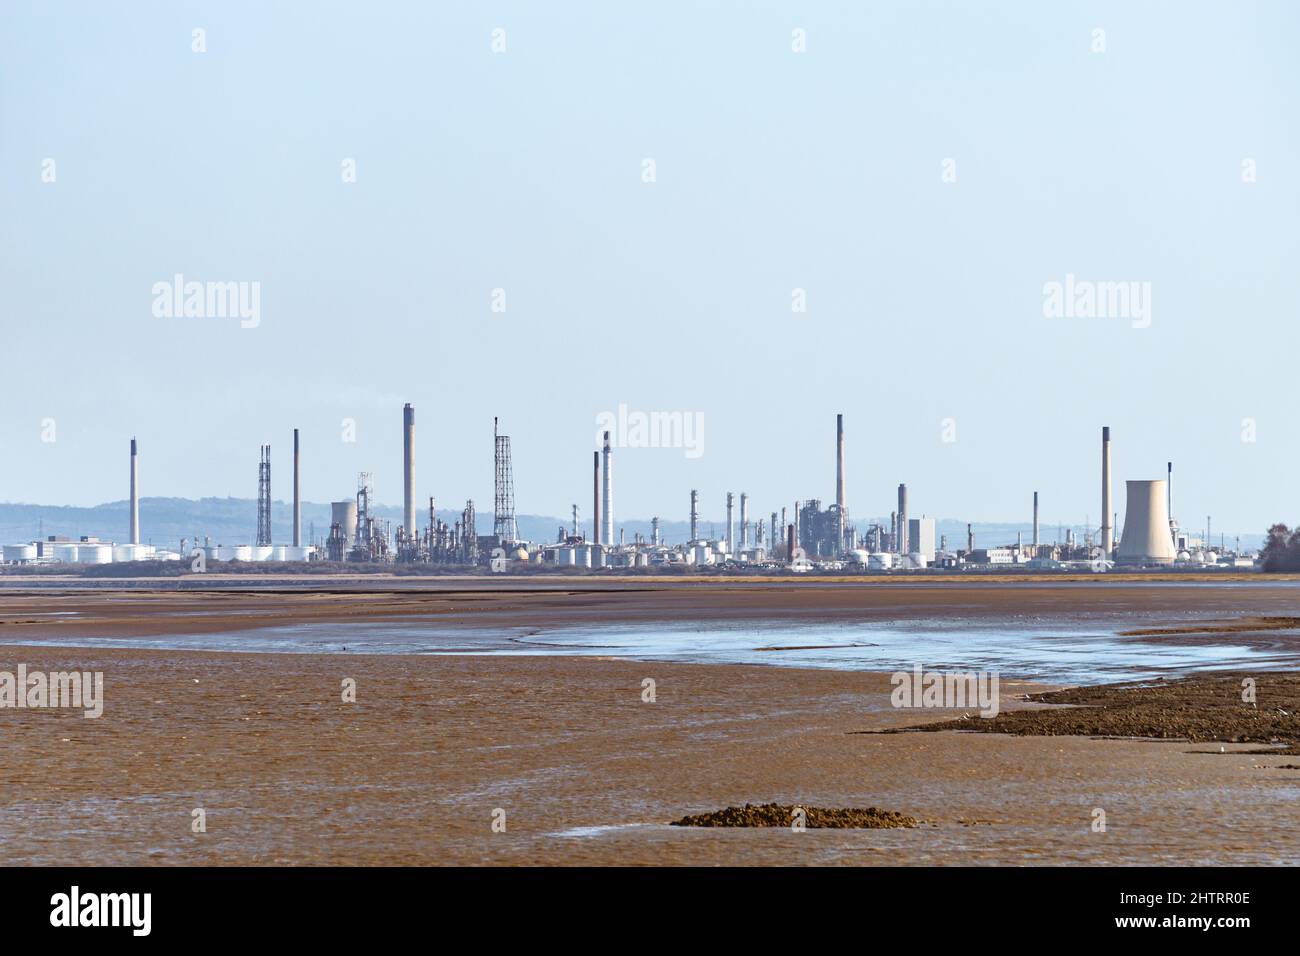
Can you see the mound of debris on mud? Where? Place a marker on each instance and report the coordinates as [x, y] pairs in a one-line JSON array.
[[1263, 708], [781, 815]]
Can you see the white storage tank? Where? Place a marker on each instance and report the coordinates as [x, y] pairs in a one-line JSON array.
[[260, 552], [278, 552], [94, 554], [302, 553], [881, 561], [566, 557], [243, 552], [20, 552], [703, 554], [67, 553]]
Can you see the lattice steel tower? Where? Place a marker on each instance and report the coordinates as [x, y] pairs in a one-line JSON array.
[[503, 521], [264, 497]]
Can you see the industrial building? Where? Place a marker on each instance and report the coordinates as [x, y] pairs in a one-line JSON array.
[[808, 536]]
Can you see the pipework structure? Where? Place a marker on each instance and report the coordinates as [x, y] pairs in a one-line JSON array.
[[607, 506], [503, 522], [264, 497]]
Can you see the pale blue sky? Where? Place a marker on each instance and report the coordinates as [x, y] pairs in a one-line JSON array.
[[775, 170]]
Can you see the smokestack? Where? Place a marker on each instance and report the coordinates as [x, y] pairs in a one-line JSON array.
[[695, 515], [731, 524], [608, 508], [1107, 531], [790, 541], [408, 470], [970, 539], [654, 531], [772, 531], [297, 495], [902, 520], [1035, 524], [595, 497], [135, 494], [839, 482], [744, 520]]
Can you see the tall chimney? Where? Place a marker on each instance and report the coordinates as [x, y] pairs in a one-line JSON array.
[[1107, 532], [731, 525], [744, 520], [408, 470], [595, 497], [839, 484], [297, 496], [902, 520], [608, 509], [1035, 524], [135, 494], [970, 539], [695, 514]]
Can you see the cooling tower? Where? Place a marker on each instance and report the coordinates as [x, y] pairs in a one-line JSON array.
[[1146, 526]]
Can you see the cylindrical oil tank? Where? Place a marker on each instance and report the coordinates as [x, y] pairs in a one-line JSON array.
[[260, 552], [20, 552], [583, 555], [94, 554], [344, 514], [566, 557], [703, 554], [243, 552], [598, 557], [278, 552], [302, 553], [67, 553]]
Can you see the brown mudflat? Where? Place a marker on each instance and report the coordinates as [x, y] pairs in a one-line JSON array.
[[1200, 709], [815, 818], [567, 754]]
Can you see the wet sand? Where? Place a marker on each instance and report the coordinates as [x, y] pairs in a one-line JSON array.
[[584, 770], [220, 605]]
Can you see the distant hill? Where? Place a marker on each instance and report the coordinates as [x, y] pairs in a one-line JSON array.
[[164, 521]]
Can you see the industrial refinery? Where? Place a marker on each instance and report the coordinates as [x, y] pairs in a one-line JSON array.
[[800, 536]]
